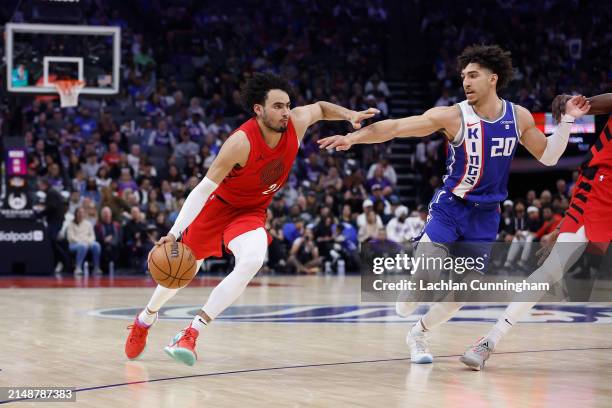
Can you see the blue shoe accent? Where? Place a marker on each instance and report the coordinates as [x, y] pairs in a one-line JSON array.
[[423, 360]]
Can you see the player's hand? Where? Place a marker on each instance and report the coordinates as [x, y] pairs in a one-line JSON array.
[[577, 106], [166, 238], [162, 240], [337, 142], [558, 106], [548, 242], [357, 117]]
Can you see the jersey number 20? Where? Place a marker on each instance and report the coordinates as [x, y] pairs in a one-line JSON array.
[[502, 146]]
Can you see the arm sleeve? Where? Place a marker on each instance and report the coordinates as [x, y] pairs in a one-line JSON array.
[[557, 142], [193, 205]]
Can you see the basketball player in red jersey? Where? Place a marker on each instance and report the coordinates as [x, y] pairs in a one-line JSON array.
[[228, 207], [588, 219]]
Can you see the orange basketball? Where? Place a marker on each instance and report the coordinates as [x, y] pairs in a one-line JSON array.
[[172, 265]]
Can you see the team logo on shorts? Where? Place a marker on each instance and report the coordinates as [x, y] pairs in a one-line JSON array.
[[272, 172], [369, 313]]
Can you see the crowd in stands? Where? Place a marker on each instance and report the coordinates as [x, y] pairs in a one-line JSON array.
[[557, 46], [113, 174]]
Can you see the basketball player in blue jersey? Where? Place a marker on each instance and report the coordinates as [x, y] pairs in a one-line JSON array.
[[483, 132]]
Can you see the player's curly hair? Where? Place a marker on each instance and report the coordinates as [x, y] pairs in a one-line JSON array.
[[255, 90], [492, 57]]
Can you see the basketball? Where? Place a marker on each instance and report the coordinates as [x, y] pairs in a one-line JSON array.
[[172, 265]]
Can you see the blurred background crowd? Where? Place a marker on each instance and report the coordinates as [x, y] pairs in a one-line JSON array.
[[111, 175]]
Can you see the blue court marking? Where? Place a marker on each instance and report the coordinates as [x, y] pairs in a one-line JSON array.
[[254, 370]]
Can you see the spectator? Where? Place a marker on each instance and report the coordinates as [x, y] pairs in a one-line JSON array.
[[551, 221], [398, 228], [370, 229], [416, 223], [304, 254], [186, 148], [81, 239], [108, 235], [375, 84], [368, 207], [522, 238]]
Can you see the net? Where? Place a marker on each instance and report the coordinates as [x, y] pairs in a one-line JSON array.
[[68, 90]]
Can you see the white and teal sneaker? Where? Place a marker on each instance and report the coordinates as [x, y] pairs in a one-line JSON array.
[[476, 356], [182, 346], [419, 349]]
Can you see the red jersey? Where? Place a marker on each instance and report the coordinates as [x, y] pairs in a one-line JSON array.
[[600, 154], [265, 171]]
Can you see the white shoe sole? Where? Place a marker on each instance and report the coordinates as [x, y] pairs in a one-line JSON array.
[[473, 364], [182, 355]]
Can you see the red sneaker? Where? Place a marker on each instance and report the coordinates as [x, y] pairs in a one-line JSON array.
[[182, 347], [137, 339]]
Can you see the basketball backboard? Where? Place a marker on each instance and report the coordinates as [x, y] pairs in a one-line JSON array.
[[39, 54]]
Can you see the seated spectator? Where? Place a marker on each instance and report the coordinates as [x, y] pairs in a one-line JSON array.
[[370, 229], [368, 207], [388, 171], [416, 223], [135, 238], [113, 156], [398, 228], [522, 237], [126, 181], [81, 239], [108, 234], [446, 99], [187, 147], [375, 84], [304, 254], [380, 180], [551, 221]]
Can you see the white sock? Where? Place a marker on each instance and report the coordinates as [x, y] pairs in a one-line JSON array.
[[160, 297], [513, 313], [418, 328], [440, 313], [198, 323], [147, 318], [561, 258]]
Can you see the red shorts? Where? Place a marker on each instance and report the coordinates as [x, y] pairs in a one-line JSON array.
[[591, 206], [218, 224]]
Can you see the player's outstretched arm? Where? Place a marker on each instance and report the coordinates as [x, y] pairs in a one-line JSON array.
[[413, 126], [307, 115], [234, 151], [548, 150], [600, 105]]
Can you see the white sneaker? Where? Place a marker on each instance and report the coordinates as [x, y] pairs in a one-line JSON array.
[[475, 356], [97, 272], [419, 349], [59, 268], [78, 271]]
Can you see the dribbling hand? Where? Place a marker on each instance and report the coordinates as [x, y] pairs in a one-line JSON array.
[[161, 241]]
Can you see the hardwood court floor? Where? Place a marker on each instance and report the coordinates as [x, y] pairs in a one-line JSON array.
[[296, 342]]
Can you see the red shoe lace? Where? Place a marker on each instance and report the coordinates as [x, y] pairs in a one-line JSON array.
[[138, 332], [189, 336]]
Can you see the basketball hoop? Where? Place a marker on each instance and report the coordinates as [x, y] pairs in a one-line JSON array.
[[68, 90]]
